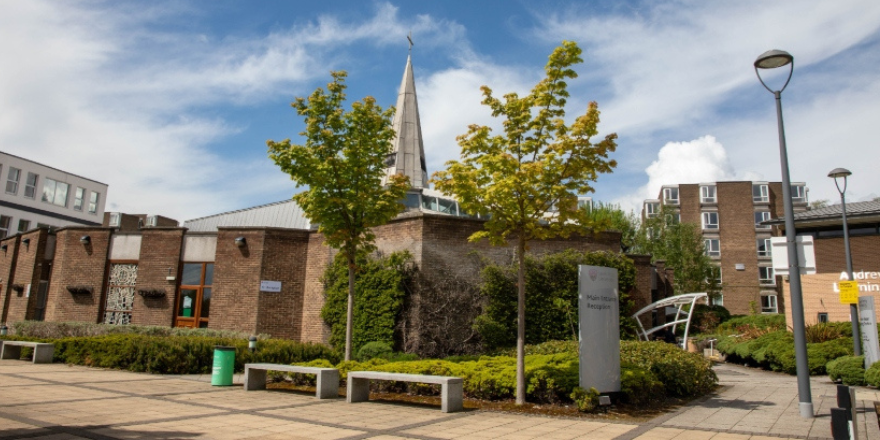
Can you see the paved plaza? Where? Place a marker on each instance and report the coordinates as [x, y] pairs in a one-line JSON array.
[[55, 401]]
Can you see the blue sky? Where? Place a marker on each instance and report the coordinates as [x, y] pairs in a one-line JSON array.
[[171, 103]]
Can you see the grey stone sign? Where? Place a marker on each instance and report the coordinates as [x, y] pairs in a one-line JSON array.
[[868, 329], [599, 328]]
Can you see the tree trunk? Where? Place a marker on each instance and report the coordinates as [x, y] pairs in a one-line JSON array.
[[349, 315], [521, 323]]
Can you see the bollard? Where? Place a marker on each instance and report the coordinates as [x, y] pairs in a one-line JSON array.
[[839, 424], [3, 330], [846, 400]]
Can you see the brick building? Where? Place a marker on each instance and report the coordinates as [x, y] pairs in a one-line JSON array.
[[169, 276], [822, 229], [730, 215]]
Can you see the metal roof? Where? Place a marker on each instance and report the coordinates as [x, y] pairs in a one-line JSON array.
[[283, 214], [856, 212]]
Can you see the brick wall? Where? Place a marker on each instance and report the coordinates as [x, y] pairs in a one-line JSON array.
[[7, 273], [236, 284], [285, 257], [28, 269], [79, 265], [159, 258], [319, 256], [738, 246]]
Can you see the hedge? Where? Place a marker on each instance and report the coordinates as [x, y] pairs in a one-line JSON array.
[[775, 351], [872, 375], [175, 355]]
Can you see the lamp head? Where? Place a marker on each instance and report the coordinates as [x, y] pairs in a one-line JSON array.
[[26, 241], [839, 172], [773, 59], [240, 241], [85, 240]]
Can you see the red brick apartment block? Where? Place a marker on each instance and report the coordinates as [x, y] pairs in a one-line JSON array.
[[728, 214]]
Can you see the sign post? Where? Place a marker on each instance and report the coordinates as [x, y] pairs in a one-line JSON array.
[[868, 327], [599, 328]]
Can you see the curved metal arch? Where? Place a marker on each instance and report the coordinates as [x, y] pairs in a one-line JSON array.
[[678, 301]]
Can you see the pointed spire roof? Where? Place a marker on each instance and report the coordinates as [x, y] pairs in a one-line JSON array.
[[408, 155]]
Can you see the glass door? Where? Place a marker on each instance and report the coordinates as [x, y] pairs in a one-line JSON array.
[[194, 296]]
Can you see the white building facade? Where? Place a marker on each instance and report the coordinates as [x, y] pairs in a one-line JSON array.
[[35, 195]]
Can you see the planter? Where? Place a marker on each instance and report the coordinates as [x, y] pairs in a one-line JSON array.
[[80, 290], [152, 293]]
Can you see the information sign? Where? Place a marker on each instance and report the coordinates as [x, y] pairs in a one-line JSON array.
[[849, 292], [599, 328], [270, 286]]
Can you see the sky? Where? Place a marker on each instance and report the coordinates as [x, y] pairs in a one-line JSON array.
[[171, 103]]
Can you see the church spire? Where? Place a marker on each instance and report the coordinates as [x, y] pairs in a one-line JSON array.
[[408, 155]]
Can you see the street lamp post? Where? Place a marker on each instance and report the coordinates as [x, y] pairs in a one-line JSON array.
[[837, 174], [770, 60]]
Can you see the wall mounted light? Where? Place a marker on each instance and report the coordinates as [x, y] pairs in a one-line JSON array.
[[240, 241], [85, 240], [27, 242], [4, 247]]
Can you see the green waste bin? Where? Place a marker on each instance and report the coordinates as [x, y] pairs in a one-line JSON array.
[[224, 366]]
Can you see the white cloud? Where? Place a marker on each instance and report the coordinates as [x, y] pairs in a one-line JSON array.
[[106, 93], [696, 161]]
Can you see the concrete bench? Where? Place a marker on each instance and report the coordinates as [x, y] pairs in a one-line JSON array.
[[328, 378], [451, 391], [42, 351]]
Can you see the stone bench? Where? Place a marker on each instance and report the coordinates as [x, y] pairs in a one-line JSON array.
[[451, 391], [328, 378], [42, 351]]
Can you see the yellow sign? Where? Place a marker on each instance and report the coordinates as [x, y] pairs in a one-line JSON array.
[[849, 292]]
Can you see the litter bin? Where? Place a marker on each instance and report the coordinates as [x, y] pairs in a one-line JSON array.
[[224, 365]]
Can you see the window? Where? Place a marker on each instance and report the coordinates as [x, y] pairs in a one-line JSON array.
[[760, 193], [822, 317], [707, 194], [12, 180], [710, 220], [5, 220], [24, 225], [673, 218], [55, 192], [761, 216], [651, 209], [714, 276], [78, 197], [763, 247], [585, 203], [194, 304], [717, 300], [765, 276], [713, 247], [799, 193], [93, 203], [670, 196], [30, 186], [768, 304], [114, 220]]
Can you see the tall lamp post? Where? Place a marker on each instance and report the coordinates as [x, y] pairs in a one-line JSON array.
[[773, 59], [837, 174]]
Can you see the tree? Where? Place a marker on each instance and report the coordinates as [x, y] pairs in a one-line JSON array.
[[821, 203], [342, 163], [682, 247], [526, 179], [611, 215]]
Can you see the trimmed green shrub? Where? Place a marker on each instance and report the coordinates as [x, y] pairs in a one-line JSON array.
[[381, 285], [585, 400], [683, 374], [372, 350], [176, 354], [551, 297], [775, 351], [58, 330], [850, 370], [771, 322], [872, 375], [640, 387]]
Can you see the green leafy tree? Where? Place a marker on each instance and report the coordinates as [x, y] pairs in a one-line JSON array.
[[527, 178], [611, 215], [342, 163], [682, 247]]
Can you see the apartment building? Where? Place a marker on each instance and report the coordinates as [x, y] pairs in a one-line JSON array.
[[36, 195], [731, 216]]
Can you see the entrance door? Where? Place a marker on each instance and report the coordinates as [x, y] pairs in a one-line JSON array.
[[194, 297]]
